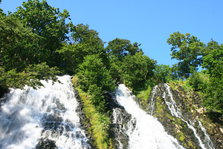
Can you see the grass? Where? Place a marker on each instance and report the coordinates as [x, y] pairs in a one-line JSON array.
[[99, 122], [143, 96], [174, 84]]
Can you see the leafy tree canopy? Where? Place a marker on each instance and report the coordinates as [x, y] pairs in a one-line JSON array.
[[86, 42], [136, 69], [47, 22], [19, 46], [163, 73], [122, 47], [188, 50]]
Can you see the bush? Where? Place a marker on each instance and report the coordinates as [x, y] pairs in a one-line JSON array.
[[93, 72], [30, 76]]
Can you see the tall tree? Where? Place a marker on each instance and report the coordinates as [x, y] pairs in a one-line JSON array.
[[163, 73], [95, 79], [117, 50], [19, 46], [213, 62], [86, 42], [136, 69], [122, 47], [188, 50], [47, 22]]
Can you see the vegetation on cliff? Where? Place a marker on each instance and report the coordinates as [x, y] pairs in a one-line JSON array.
[[193, 54]]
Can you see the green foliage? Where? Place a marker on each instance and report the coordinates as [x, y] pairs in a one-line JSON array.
[[95, 79], [92, 71], [188, 50], [47, 22], [127, 64], [213, 97], [163, 73], [191, 54], [30, 76], [213, 59], [136, 69], [100, 123], [213, 62], [122, 47], [143, 95], [97, 97], [86, 42], [82, 34], [198, 81], [19, 47]]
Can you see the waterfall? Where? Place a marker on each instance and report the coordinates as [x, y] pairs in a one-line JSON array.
[[207, 138], [175, 111], [144, 131], [152, 103], [49, 113]]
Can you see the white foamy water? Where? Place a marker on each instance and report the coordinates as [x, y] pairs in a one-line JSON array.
[[152, 103], [144, 132], [175, 111], [49, 112]]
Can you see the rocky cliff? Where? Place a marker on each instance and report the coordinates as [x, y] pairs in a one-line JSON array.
[[183, 117]]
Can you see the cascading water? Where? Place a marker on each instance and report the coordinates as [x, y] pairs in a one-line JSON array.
[[47, 113], [207, 138], [175, 111], [144, 131], [152, 103]]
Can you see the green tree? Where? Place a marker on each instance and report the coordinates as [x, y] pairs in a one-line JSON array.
[[19, 46], [47, 22], [213, 62], [117, 50], [163, 73], [86, 42], [30, 76], [92, 71], [95, 79], [136, 69], [199, 81], [122, 47], [188, 50]]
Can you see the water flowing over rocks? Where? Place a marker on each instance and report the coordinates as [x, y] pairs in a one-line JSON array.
[[143, 130], [42, 118], [51, 117], [183, 117]]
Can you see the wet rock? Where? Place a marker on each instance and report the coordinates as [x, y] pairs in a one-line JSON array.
[[3, 91], [190, 105], [120, 125], [46, 144]]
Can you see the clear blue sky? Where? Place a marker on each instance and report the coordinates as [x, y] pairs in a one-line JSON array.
[[149, 22]]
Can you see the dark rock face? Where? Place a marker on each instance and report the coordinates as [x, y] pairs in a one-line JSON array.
[[3, 91], [120, 124], [46, 144], [173, 125], [189, 105]]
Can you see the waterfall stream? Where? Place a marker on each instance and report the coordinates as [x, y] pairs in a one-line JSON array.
[[144, 131], [48, 113], [176, 112]]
